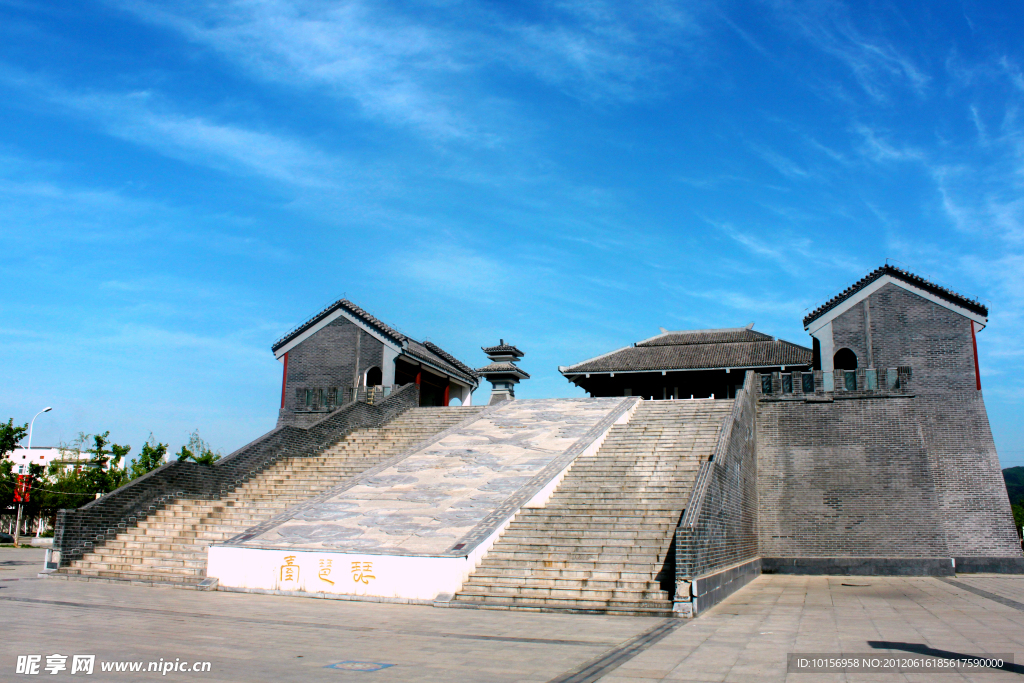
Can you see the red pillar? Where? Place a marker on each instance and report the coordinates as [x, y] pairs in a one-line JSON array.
[[447, 394], [419, 376], [284, 379], [977, 368]]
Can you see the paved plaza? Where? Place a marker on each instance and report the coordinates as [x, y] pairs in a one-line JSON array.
[[270, 638]]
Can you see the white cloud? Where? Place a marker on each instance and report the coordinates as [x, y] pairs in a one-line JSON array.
[[877, 65], [423, 71], [136, 117], [452, 270], [779, 162], [793, 255], [145, 118], [878, 149]]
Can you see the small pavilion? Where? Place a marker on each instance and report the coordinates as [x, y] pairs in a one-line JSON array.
[[502, 372]]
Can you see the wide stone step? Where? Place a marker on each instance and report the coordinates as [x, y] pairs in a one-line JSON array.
[[105, 568], [110, 554], [573, 553], [564, 586], [558, 523], [577, 506], [529, 560], [581, 595], [661, 607], [583, 535], [644, 573], [157, 578]]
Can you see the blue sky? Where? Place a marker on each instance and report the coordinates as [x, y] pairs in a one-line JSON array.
[[183, 182]]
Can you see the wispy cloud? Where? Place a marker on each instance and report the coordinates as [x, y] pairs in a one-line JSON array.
[[783, 249], [423, 71], [779, 162], [876, 147], [452, 271], [145, 118], [875, 62]]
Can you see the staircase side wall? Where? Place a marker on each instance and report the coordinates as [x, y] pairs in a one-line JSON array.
[[77, 531], [719, 528]]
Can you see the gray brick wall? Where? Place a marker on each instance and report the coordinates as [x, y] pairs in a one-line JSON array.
[[851, 478], [327, 359], [719, 527], [909, 330], [78, 531]]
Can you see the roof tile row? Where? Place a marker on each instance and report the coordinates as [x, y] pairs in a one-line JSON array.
[[696, 356]]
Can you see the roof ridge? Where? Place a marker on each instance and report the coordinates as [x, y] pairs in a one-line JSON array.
[[353, 309], [972, 305], [710, 329]]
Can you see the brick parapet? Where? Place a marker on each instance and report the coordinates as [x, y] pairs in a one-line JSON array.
[[78, 531], [839, 384]]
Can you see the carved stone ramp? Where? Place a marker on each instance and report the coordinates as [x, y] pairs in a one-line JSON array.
[[602, 542], [414, 527]]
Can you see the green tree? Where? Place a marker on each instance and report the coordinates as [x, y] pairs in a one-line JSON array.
[[151, 456], [7, 483], [103, 471], [99, 450], [10, 436], [197, 450]]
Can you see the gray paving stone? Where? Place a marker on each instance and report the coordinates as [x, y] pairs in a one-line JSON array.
[[282, 639]]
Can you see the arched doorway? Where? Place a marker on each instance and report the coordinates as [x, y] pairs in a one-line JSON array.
[[845, 359], [374, 377]]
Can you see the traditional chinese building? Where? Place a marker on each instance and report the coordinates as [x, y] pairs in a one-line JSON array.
[[687, 364], [868, 454], [343, 352]]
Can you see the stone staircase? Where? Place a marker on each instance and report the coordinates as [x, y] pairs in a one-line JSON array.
[[601, 543], [169, 546]]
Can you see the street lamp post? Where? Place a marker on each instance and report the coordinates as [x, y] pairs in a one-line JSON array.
[[17, 526]]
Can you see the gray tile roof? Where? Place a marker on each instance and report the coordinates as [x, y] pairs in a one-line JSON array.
[[427, 352], [503, 349], [733, 348], [450, 359], [424, 353], [502, 367], [900, 274], [735, 334]]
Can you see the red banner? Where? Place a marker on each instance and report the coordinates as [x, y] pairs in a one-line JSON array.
[[21, 491]]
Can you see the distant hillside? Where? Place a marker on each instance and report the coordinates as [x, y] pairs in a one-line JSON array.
[[1014, 477]]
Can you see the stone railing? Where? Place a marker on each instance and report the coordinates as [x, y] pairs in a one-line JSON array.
[[77, 531], [860, 382]]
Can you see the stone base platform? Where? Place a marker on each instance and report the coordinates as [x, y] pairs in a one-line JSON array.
[[414, 527]]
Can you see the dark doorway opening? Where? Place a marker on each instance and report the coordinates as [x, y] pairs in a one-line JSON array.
[[374, 377], [845, 359]]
